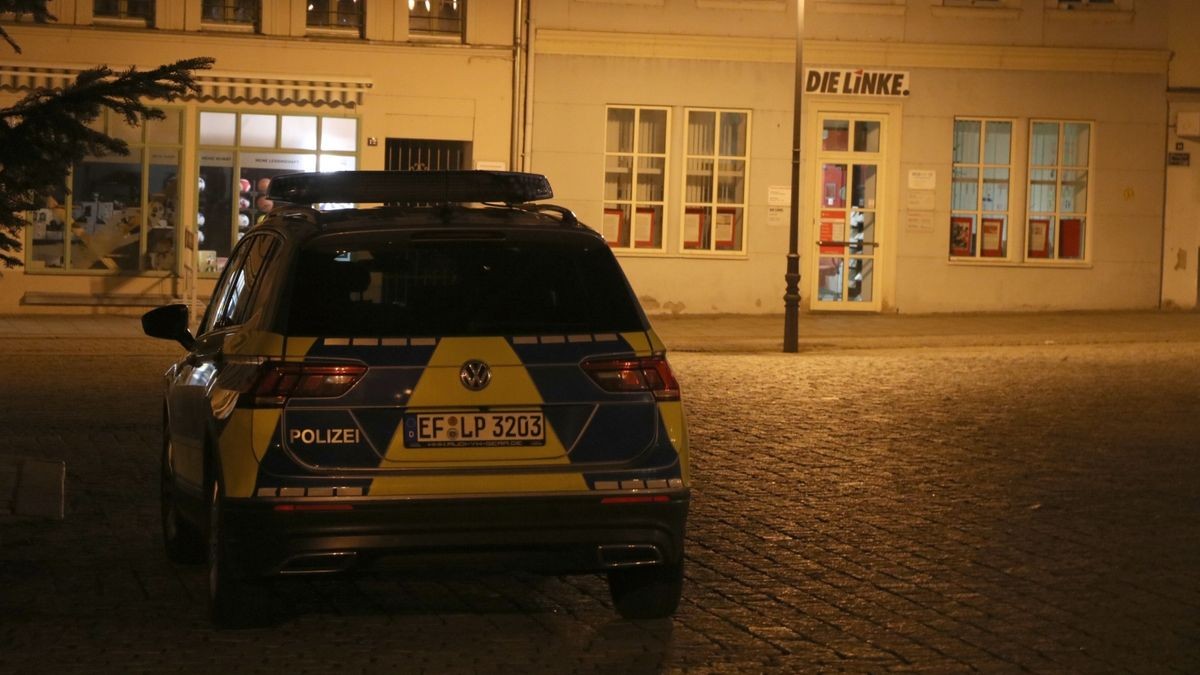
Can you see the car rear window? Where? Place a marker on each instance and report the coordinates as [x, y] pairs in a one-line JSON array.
[[472, 284]]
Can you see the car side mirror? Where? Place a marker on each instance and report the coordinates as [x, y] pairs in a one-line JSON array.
[[169, 322]]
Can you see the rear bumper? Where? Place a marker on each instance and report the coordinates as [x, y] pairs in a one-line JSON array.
[[548, 534]]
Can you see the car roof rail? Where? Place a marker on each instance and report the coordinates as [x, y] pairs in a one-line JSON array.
[[410, 187], [567, 216]]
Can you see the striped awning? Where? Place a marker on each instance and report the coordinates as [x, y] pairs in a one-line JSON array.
[[214, 86]]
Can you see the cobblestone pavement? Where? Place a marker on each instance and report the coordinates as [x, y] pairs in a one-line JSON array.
[[1002, 508]]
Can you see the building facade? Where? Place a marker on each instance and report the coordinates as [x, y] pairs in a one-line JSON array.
[[956, 155]]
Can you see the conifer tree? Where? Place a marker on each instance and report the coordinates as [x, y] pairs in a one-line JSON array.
[[47, 131]]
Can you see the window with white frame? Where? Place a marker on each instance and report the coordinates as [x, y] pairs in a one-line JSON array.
[[436, 18], [979, 188], [714, 190], [345, 14], [1057, 218], [124, 9], [240, 153], [635, 171], [122, 213], [235, 12]]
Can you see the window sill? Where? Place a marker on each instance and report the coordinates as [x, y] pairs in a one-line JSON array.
[[333, 32], [436, 38], [118, 22], [751, 5], [217, 27], [691, 255], [831, 7], [1002, 13], [1024, 264], [1098, 15]]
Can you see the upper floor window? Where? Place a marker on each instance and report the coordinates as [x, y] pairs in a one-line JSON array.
[[1059, 159], [436, 17], [1073, 4], [243, 12], [714, 207], [979, 189], [335, 14], [635, 168], [124, 9]]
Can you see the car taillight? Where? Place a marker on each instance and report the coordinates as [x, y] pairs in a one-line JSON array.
[[280, 381], [628, 375]]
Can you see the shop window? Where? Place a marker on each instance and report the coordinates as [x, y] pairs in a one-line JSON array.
[[436, 18], [121, 214], [234, 12], [1059, 159], [124, 9], [338, 14], [240, 153], [635, 167], [979, 188], [714, 200]]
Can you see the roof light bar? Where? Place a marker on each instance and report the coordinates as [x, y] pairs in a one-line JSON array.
[[410, 187]]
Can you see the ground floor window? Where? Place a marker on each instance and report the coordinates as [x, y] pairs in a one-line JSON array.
[[980, 188], [1059, 157], [239, 155], [716, 158], [122, 212], [635, 171]]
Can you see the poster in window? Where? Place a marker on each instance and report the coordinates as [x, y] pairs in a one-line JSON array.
[[1070, 238], [725, 228], [993, 242], [1039, 238], [694, 218], [833, 228], [613, 226], [645, 227], [960, 236]]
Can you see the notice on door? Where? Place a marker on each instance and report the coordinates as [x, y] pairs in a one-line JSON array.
[[833, 228]]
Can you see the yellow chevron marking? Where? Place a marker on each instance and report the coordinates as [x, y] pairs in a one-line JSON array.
[[675, 421], [394, 486], [440, 389], [637, 340], [299, 346], [265, 422], [254, 343], [239, 466], [656, 344]]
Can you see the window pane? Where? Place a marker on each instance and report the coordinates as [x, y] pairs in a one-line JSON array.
[[1074, 191], [217, 192], [731, 182], [167, 130], [217, 128], [860, 280], [866, 136], [829, 278], [652, 131], [699, 181], [1075, 144], [650, 179], [864, 186], [1043, 145], [106, 218], [48, 229], [620, 130], [995, 189], [833, 185], [727, 228], [1042, 190], [733, 134], [328, 163], [618, 183], [997, 143], [702, 128], [298, 132], [439, 17], [994, 236], [162, 209], [964, 189], [1071, 238], [259, 131], [835, 135], [966, 141], [962, 235], [229, 11], [339, 133]]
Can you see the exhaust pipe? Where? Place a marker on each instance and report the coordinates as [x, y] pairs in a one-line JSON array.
[[628, 555], [319, 563]]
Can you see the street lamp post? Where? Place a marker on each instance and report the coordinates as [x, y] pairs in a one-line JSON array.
[[791, 296]]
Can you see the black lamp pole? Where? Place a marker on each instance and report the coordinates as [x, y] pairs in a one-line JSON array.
[[791, 297]]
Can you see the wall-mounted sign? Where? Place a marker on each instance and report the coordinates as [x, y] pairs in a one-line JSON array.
[[856, 82], [1179, 159]]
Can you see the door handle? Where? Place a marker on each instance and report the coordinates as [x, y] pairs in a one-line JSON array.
[[847, 243]]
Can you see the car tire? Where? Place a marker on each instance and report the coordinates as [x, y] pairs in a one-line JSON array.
[[181, 539], [233, 600], [650, 592]]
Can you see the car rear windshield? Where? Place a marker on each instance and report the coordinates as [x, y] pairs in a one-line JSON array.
[[472, 284]]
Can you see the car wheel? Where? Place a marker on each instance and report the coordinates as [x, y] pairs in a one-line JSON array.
[[650, 592], [181, 539], [231, 597]]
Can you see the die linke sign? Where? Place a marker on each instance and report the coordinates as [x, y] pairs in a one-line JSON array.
[[890, 83]]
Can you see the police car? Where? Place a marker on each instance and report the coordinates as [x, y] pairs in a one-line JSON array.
[[457, 374]]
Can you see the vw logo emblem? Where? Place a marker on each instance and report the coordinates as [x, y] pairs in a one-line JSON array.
[[475, 375]]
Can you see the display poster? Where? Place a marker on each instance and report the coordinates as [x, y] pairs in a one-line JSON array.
[[961, 243], [779, 195], [1070, 238], [611, 226], [919, 221], [833, 228], [922, 179], [777, 216], [725, 227], [643, 227], [920, 200], [1039, 238], [693, 227], [991, 229]]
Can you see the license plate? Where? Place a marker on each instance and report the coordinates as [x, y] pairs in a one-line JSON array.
[[456, 430]]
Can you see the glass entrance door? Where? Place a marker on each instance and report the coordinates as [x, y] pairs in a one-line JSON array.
[[846, 243]]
